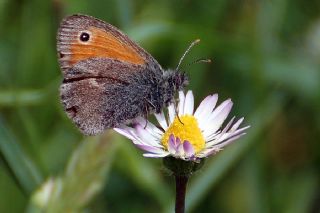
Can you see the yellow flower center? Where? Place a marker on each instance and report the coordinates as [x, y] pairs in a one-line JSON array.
[[187, 130]]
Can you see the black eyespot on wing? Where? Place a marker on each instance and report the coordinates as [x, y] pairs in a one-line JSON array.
[[72, 111], [61, 55], [84, 37]]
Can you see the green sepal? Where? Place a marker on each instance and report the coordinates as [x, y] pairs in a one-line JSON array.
[[180, 167]]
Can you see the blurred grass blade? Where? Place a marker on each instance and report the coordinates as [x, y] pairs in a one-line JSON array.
[[26, 173], [300, 197], [124, 13], [219, 165], [84, 177], [149, 30], [21, 97]]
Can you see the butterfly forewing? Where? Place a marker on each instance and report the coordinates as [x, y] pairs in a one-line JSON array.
[[104, 41], [104, 74]]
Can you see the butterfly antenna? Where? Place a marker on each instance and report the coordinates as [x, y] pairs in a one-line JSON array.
[[186, 52], [200, 60], [177, 114]]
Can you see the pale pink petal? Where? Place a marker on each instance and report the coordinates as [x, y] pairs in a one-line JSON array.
[[188, 149], [172, 146], [150, 149], [180, 150]]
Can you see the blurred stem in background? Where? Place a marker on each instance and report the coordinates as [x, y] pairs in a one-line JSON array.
[[83, 178]]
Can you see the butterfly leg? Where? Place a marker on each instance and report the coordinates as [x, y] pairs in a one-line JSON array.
[[146, 113], [176, 111]]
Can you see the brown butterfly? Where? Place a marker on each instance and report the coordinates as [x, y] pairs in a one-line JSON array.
[[108, 79]]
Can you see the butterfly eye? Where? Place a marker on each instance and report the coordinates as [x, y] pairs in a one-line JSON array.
[[84, 37]]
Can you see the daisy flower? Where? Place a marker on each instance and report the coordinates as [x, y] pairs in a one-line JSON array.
[[184, 133]]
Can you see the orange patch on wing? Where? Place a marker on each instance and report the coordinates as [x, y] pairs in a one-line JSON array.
[[105, 45]]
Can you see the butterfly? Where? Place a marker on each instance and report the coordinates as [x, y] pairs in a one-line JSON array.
[[108, 79]]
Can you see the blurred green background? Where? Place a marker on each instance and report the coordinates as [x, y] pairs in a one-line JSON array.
[[265, 58]]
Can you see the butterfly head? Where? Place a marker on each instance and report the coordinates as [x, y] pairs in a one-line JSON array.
[[180, 80], [176, 80]]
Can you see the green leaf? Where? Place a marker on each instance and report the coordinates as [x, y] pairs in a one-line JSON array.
[[21, 97]]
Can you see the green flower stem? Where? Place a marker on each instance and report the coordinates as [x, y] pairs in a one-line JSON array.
[[181, 186], [182, 171]]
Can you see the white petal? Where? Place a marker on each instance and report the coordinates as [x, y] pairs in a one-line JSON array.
[[138, 142], [189, 103], [208, 152], [230, 140], [226, 105], [237, 124], [222, 135], [146, 137], [150, 127], [162, 120], [158, 133], [213, 136], [219, 139], [227, 127], [238, 131], [124, 133], [216, 118], [172, 113], [181, 103], [217, 111], [217, 134], [205, 108], [226, 137], [150, 155]]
